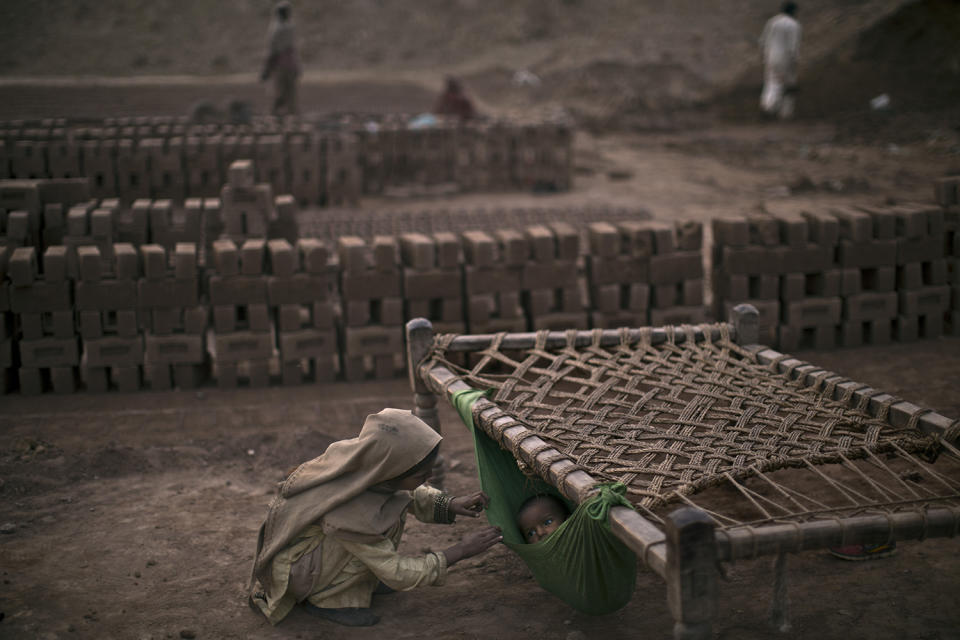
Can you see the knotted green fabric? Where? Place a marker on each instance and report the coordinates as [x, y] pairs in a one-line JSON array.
[[582, 562]]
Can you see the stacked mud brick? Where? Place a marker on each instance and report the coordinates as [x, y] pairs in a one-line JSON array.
[[432, 280], [174, 321], [243, 344], [676, 269], [100, 166], [948, 196], [553, 296], [105, 291], [340, 168], [492, 270], [270, 162], [497, 159], [171, 224], [542, 157], [41, 299], [371, 292], [375, 158], [133, 171], [304, 153], [618, 272], [433, 153], [247, 208], [204, 175], [300, 297], [28, 160], [63, 159], [867, 258], [165, 162], [921, 270], [86, 225], [23, 198]]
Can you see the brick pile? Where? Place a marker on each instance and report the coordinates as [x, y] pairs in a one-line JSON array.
[[340, 168], [167, 176], [242, 347], [618, 274], [371, 290], [247, 208], [301, 302], [172, 316], [676, 269], [201, 159], [948, 197]]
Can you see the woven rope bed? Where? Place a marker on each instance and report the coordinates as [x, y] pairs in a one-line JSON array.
[[728, 450]]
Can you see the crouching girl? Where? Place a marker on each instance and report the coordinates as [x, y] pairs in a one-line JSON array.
[[331, 535]]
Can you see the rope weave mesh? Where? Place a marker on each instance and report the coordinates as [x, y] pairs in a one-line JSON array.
[[670, 419]]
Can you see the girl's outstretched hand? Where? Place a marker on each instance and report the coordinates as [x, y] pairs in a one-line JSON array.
[[473, 544], [470, 505]]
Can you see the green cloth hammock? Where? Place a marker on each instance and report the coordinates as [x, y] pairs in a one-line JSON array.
[[582, 562]]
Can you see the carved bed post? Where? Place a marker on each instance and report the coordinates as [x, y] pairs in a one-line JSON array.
[[419, 342], [691, 572]]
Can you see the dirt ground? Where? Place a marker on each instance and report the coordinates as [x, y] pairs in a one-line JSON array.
[[134, 516]]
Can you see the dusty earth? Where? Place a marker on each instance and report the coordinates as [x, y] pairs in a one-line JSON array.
[[134, 516]]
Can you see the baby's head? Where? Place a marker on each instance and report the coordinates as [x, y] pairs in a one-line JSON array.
[[540, 516]]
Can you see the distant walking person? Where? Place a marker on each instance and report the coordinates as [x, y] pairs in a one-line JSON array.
[[780, 43], [454, 101], [282, 61]]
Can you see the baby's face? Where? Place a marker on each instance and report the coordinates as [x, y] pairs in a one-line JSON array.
[[539, 519]]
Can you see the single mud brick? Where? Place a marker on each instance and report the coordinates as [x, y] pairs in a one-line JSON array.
[[354, 368], [113, 351], [812, 312], [929, 300], [884, 221], [481, 307], [252, 254], [106, 294], [448, 250], [764, 231], [224, 318], [49, 352], [77, 221], [154, 258], [31, 326], [323, 315], [451, 310], [747, 260], [63, 379], [357, 313], [354, 254], [240, 174], [823, 228], [730, 232], [619, 269], [934, 272], [22, 268], [62, 324], [390, 311], [540, 302], [870, 306], [664, 236], [370, 284], [159, 294], [638, 297], [289, 318], [125, 323], [508, 304], [236, 290], [856, 226], [384, 367], [490, 280], [910, 223], [226, 258], [919, 249], [910, 276], [691, 293], [731, 287], [301, 288], [307, 344], [878, 279], [313, 255], [90, 263], [187, 376], [807, 259], [91, 326], [164, 321], [18, 227], [291, 373], [418, 251], [284, 261], [664, 296], [850, 282], [606, 298], [604, 239], [541, 243], [185, 261], [363, 341], [675, 267], [195, 320], [55, 260], [479, 248], [126, 261], [243, 346], [386, 253], [258, 317], [549, 275], [636, 238], [158, 376], [513, 247], [689, 235], [101, 224], [173, 349], [41, 296], [765, 286], [30, 381], [434, 283], [879, 253], [95, 379], [568, 240]]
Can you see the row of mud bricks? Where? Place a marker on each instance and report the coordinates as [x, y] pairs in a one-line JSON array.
[[329, 168], [843, 275]]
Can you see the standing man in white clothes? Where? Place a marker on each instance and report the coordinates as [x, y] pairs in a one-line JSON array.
[[780, 43]]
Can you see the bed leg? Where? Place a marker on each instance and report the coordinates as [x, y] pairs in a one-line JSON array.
[[691, 572], [419, 341], [746, 324]]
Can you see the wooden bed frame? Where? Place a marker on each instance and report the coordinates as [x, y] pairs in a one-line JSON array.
[[687, 548]]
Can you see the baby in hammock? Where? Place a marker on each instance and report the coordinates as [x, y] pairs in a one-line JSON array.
[[539, 516]]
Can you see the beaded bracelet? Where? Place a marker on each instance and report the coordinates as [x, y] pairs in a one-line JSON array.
[[441, 509]]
